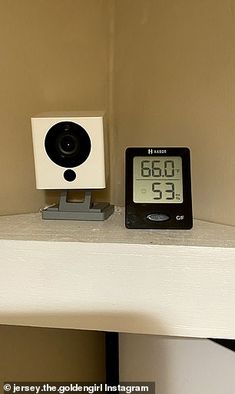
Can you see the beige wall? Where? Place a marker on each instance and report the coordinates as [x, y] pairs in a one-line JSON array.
[[44, 354], [162, 70], [53, 56], [174, 85]]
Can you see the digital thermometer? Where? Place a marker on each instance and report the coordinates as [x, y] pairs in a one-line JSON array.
[[158, 188]]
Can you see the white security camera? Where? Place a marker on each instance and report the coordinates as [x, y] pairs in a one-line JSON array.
[[69, 154], [68, 151]]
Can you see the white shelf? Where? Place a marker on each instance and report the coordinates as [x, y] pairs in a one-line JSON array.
[[101, 276]]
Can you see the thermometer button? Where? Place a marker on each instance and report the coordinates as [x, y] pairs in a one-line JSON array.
[[158, 217]]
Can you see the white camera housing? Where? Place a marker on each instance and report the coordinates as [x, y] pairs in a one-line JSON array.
[[69, 150]]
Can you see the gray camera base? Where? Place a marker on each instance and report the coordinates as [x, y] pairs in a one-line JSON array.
[[85, 210]]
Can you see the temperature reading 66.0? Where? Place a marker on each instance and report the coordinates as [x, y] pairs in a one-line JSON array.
[[152, 168], [157, 179]]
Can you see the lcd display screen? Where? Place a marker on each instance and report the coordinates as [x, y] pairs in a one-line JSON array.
[[157, 179]]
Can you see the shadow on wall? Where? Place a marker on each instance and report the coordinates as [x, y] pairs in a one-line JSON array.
[[32, 353], [45, 354]]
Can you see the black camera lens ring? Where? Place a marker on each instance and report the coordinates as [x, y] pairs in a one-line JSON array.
[[67, 144]]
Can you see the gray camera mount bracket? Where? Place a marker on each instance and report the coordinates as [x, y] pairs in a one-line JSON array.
[[85, 210]]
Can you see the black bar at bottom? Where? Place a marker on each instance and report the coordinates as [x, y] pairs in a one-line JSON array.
[[112, 358]]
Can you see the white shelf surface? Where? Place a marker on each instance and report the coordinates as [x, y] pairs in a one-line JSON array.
[[101, 276]]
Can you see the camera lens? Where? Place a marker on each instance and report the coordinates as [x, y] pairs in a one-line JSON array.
[[67, 144]]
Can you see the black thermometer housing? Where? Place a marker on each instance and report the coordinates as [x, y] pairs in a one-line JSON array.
[[158, 188]]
